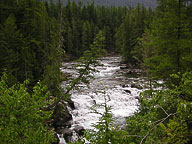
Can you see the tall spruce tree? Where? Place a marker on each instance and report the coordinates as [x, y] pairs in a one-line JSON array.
[[129, 33], [171, 39], [11, 44], [124, 39], [86, 33]]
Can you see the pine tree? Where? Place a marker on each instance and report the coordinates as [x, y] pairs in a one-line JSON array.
[[10, 47], [69, 39], [137, 21], [129, 34], [86, 33], [109, 38], [76, 29], [6, 8], [33, 26], [124, 39], [170, 37]]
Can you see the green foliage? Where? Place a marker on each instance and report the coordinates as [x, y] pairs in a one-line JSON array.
[[86, 36], [124, 39], [170, 41], [53, 55], [83, 22], [11, 42], [29, 49], [129, 33], [165, 117], [23, 115], [29, 43]]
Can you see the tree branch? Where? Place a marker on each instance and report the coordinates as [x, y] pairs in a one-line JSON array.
[[77, 80], [161, 121], [164, 110], [133, 136]]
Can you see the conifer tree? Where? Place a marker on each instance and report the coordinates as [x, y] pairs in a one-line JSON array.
[[69, 40], [109, 38], [170, 37], [11, 46], [124, 39], [86, 33], [33, 25]]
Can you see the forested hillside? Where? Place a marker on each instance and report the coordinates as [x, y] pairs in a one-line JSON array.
[[37, 36], [128, 3]]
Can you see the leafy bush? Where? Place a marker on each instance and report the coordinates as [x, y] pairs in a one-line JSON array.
[[23, 115], [165, 117]]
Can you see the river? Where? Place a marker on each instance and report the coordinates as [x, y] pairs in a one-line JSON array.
[[122, 87]]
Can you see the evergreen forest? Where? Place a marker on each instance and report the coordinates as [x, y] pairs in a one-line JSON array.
[[127, 3], [37, 36]]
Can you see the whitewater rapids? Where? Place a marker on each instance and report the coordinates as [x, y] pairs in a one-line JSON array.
[[112, 80]]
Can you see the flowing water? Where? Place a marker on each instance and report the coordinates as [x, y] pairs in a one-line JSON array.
[[115, 82]]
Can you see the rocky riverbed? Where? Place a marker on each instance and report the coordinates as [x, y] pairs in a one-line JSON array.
[[115, 80]]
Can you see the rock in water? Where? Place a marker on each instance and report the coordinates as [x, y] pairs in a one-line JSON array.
[[79, 130], [61, 139], [62, 120], [128, 91], [133, 85], [61, 115]]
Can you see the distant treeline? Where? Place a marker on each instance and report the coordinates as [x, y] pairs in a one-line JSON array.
[[127, 3]]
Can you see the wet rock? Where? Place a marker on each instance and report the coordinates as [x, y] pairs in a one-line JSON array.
[[129, 72], [71, 104], [63, 121], [68, 124], [123, 67], [94, 102], [67, 133], [61, 116], [79, 130], [128, 91], [124, 86], [133, 85], [61, 139], [137, 97], [75, 122]]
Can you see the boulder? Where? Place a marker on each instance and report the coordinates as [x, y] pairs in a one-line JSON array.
[[123, 67], [137, 97], [61, 116], [67, 133], [79, 130], [133, 85], [128, 91], [124, 85], [71, 104]]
